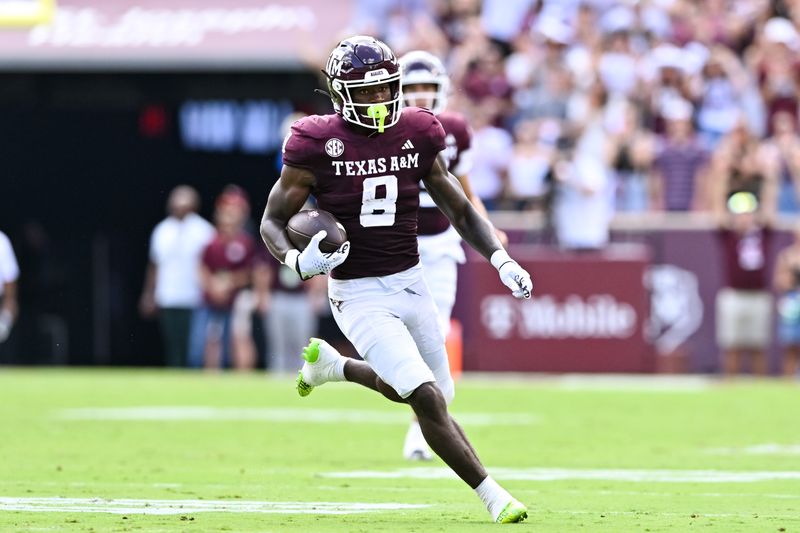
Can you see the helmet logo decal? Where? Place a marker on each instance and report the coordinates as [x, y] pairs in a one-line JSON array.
[[334, 147], [381, 72], [335, 63]]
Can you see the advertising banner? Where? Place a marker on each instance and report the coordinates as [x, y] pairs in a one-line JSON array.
[[589, 313], [177, 33], [645, 304]]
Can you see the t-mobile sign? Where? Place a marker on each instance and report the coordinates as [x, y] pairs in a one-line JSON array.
[[588, 313]]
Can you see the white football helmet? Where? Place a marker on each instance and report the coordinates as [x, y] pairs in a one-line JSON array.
[[420, 67]]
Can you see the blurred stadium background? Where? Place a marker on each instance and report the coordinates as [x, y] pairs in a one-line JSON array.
[[108, 105], [610, 136]]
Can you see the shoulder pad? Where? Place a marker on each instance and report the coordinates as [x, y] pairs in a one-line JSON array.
[[315, 126], [418, 119]]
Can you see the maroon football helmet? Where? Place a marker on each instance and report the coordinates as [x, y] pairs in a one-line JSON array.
[[362, 61]]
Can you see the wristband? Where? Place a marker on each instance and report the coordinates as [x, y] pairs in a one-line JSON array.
[[499, 258], [290, 259]]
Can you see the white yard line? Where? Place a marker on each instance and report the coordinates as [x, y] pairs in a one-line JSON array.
[[561, 474], [168, 507], [695, 516], [758, 449], [550, 491], [633, 383], [595, 382], [290, 415]]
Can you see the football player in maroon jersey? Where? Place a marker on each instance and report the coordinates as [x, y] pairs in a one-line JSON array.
[[364, 165], [425, 84]]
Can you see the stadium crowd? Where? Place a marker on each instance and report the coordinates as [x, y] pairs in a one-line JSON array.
[[583, 109], [616, 105]]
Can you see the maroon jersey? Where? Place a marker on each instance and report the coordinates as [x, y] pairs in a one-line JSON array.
[[225, 255], [370, 182], [457, 139], [745, 259]]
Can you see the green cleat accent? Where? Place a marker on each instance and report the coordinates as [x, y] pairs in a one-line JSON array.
[[311, 352], [311, 355], [512, 513], [303, 388]]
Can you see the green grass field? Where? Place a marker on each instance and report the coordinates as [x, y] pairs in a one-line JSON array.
[[126, 450]]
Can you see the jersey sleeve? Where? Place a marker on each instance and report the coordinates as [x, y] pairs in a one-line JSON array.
[[462, 164], [436, 135], [299, 148]]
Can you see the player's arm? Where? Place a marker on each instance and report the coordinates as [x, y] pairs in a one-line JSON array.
[[285, 199], [474, 228], [451, 197], [477, 203]]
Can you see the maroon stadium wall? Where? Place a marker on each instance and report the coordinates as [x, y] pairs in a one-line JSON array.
[[589, 313], [644, 304]]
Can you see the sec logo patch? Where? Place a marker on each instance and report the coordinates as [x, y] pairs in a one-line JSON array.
[[334, 147]]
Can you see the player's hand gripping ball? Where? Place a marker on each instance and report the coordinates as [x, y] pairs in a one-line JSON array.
[[305, 224], [321, 238]]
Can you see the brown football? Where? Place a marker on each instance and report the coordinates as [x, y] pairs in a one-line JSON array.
[[305, 224]]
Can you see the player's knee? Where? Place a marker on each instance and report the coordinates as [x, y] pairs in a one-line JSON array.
[[428, 401]]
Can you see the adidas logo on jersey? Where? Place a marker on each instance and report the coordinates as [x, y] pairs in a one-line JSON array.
[[407, 145]]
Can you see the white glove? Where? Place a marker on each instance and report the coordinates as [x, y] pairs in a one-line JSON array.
[[512, 275], [6, 321], [313, 261]]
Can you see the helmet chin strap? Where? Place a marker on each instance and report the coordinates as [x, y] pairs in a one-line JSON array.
[[378, 112]]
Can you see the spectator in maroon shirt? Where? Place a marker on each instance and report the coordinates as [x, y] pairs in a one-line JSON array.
[[485, 76], [225, 269], [744, 304]]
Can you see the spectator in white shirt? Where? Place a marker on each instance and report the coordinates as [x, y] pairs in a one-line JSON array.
[[172, 288], [9, 273], [583, 204], [492, 148]]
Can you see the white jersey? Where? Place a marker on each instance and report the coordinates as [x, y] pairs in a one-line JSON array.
[[9, 269], [176, 247]]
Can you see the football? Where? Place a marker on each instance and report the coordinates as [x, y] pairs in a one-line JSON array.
[[305, 224]]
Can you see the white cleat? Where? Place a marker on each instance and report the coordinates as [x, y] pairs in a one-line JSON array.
[[415, 448], [321, 361]]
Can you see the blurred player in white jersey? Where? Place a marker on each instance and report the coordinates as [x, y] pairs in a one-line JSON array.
[[426, 84], [9, 273]]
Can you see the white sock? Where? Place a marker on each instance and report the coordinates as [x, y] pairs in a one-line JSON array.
[[493, 496], [337, 369]]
